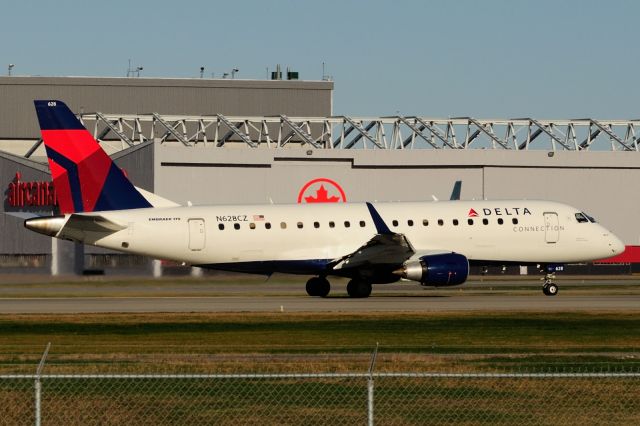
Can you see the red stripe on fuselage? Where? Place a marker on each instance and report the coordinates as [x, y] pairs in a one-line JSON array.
[[92, 162]]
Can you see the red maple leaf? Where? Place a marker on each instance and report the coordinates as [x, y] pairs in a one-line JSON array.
[[321, 197]]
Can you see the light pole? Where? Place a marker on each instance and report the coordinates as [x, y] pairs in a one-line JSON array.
[[9, 68], [233, 72]]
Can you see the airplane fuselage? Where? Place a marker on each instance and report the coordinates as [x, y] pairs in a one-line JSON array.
[[297, 238]]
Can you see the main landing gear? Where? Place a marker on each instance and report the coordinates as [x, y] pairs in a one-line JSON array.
[[318, 286], [549, 288], [358, 289]]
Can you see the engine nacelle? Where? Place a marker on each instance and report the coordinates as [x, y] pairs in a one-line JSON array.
[[438, 270]]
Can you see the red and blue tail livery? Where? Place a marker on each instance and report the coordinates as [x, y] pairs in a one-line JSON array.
[[85, 177]]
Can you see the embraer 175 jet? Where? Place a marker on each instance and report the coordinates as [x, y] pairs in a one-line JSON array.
[[431, 243]]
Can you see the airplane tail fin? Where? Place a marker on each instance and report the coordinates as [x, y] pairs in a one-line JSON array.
[[84, 176]]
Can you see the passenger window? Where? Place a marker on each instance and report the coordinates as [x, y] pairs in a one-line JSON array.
[[395, 222], [283, 225], [362, 224], [581, 218], [455, 222], [425, 222], [500, 221], [332, 224], [300, 225], [485, 221], [221, 226], [267, 225], [514, 220], [440, 222], [236, 226], [470, 221], [410, 222], [252, 225], [316, 224], [347, 224]]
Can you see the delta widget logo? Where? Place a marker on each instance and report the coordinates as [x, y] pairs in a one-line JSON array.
[[321, 190], [473, 213]]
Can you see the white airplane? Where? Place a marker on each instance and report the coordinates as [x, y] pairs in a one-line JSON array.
[[432, 243]]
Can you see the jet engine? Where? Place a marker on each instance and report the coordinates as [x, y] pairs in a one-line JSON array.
[[440, 270]]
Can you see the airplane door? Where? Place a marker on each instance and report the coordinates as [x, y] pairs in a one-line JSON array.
[[196, 234], [551, 227]]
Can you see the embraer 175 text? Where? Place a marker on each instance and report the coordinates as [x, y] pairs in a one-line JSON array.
[[432, 243]]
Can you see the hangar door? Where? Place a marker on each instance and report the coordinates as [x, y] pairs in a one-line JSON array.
[[196, 234], [551, 228]]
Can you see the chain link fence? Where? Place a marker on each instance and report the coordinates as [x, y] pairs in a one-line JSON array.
[[338, 398]]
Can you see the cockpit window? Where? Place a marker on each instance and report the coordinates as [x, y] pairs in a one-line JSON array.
[[591, 219], [581, 218]]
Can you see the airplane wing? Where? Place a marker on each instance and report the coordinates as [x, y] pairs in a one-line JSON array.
[[386, 248], [382, 249]]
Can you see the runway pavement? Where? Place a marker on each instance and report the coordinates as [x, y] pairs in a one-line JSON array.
[[309, 304], [207, 296]]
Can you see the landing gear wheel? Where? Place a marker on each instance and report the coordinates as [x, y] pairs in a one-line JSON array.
[[358, 289], [550, 289], [318, 287]]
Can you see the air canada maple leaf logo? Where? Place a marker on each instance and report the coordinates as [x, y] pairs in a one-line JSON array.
[[321, 190], [322, 197], [473, 213]]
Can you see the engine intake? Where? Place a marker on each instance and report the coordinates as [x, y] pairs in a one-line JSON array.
[[438, 270]]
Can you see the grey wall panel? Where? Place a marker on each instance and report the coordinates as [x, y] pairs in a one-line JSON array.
[[600, 183], [14, 238], [165, 96]]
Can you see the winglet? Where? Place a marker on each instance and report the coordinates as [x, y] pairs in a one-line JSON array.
[[457, 188], [381, 227]]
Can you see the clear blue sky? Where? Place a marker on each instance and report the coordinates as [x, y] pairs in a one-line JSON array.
[[507, 58]]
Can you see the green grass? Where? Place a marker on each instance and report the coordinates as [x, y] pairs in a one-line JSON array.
[[474, 340]]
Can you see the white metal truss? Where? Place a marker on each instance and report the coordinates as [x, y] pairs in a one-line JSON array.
[[343, 132]]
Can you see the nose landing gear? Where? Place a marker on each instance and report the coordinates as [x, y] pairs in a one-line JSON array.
[[549, 288]]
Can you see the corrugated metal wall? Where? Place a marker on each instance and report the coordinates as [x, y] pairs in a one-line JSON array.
[[164, 96], [601, 183]]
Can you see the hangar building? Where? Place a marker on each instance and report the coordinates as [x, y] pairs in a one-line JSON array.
[[207, 141]]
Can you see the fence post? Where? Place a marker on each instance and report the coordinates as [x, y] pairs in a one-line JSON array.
[[38, 385], [370, 388]]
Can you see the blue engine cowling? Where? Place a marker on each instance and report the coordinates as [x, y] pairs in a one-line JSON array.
[[438, 270]]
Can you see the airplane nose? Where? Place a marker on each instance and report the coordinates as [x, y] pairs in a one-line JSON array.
[[617, 246]]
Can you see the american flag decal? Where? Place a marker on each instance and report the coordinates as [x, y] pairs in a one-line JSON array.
[[258, 217]]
